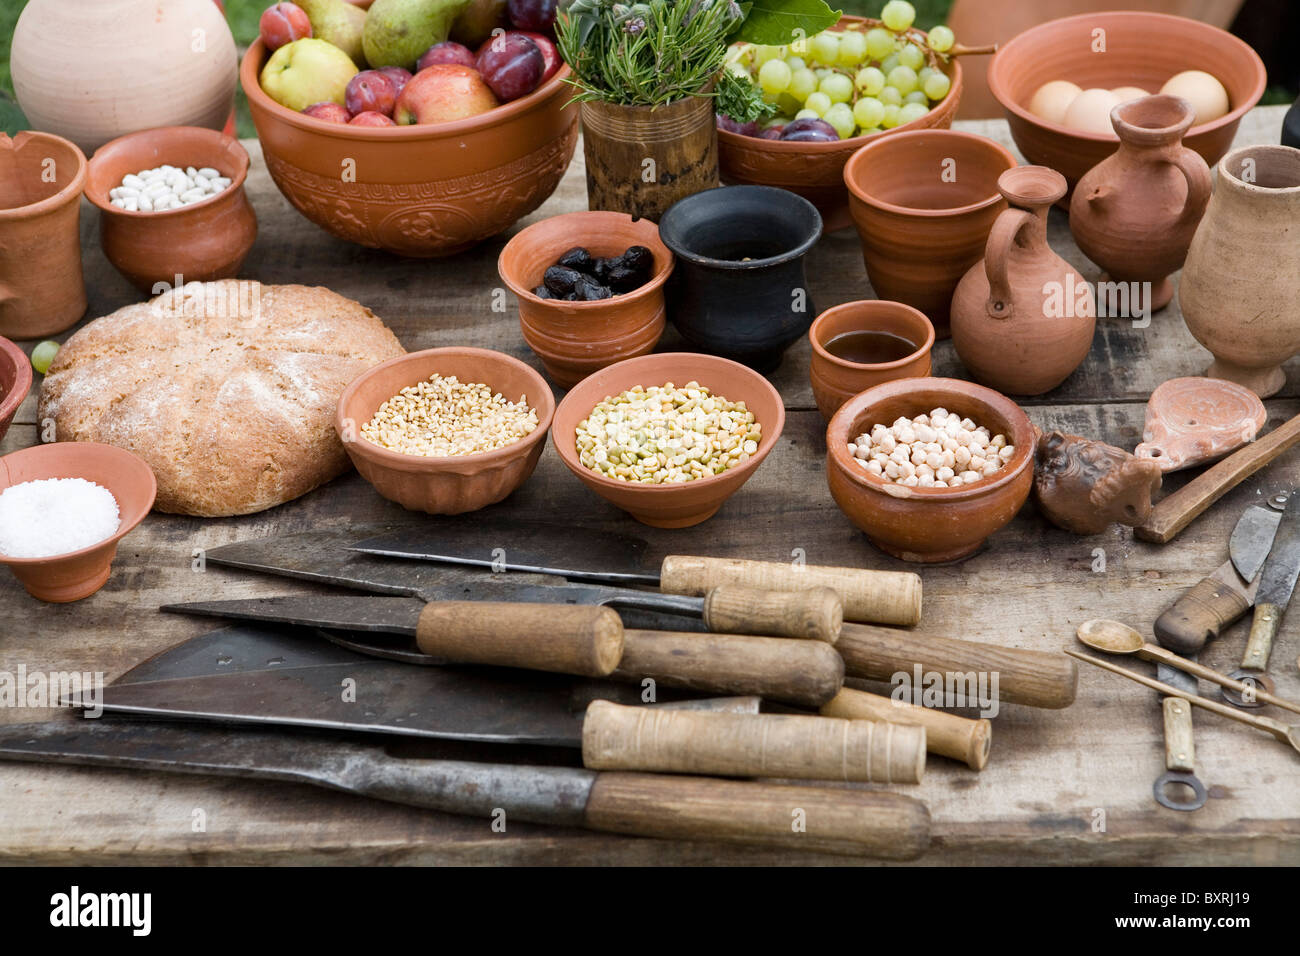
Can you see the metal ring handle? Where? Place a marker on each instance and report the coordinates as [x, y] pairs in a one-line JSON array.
[[1256, 678], [1179, 776]]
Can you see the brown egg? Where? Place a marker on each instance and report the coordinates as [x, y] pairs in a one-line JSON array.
[[1126, 93], [1203, 91], [1052, 99], [1090, 111]]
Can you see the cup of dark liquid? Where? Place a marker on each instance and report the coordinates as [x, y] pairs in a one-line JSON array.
[[861, 344]]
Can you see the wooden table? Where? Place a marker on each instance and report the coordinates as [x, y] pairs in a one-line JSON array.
[[1070, 786]]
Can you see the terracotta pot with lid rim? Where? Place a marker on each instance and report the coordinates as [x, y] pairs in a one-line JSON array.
[[1134, 213]]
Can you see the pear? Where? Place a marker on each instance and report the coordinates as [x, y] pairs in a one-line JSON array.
[[477, 21], [338, 22], [398, 31]]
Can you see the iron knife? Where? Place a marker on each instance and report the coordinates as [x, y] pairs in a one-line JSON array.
[[1180, 753], [1277, 582], [840, 821]]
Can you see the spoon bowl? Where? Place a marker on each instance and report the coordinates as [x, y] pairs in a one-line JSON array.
[[1110, 637]]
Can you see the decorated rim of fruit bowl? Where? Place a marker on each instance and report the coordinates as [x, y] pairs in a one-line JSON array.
[[921, 212], [250, 68], [854, 408], [999, 91]]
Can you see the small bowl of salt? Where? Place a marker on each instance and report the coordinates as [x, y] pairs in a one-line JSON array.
[[63, 509]]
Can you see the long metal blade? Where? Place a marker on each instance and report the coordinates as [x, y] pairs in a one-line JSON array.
[[237, 650], [1251, 540], [1282, 566], [1174, 677], [521, 546], [391, 615]]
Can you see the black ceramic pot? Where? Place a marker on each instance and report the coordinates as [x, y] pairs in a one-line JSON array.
[[1291, 126], [738, 289]]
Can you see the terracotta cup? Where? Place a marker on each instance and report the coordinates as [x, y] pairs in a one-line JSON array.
[[836, 380], [574, 339], [923, 203], [199, 243], [686, 503], [929, 524], [15, 382], [456, 483], [79, 574], [41, 288]]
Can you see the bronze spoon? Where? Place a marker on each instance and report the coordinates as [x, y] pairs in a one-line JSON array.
[[1114, 637], [1288, 735]]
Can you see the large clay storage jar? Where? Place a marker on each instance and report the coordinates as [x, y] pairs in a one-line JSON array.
[[1023, 318], [1134, 213], [642, 159], [41, 287], [923, 203], [94, 70], [1240, 289]]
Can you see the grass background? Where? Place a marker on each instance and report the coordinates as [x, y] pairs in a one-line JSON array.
[[243, 16]]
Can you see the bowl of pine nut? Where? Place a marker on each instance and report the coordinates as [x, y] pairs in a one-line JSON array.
[[446, 430]]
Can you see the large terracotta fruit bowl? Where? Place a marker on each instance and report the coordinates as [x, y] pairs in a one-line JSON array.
[[425, 190], [686, 503], [816, 170], [929, 524], [1141, 49]]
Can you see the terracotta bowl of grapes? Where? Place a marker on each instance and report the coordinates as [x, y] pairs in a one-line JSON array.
[[1143, 52], [810, 160]]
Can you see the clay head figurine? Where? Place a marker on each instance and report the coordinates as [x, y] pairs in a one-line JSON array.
[[1084, 486]]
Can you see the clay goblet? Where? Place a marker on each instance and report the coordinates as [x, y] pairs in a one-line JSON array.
[[835, 379]]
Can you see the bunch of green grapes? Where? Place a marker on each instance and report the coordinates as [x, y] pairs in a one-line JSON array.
[[859, 81]]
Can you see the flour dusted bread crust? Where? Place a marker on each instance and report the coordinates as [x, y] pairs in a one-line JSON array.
[[227, 389]]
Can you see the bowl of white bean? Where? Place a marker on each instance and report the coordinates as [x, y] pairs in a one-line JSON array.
[[929, 467], [446, 430], [172, 204], [668, 437]]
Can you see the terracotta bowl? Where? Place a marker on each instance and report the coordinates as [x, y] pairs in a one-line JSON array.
[[836, 380], [574, 339], [15, 382], [687, 503], [1142, 49], [454, 484], [929, 524], [816, 170], [924, 202], [79, 574], [424, 190], [199, 243]]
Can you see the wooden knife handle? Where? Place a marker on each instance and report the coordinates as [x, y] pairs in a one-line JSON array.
[[750, 745], [1180, 749], [1259, 646], [1175, 512], [816, 614], [948, 735], [845, 822], [797, 672], [1035, 678], [1199, 615], [880, 597], [569, 639]]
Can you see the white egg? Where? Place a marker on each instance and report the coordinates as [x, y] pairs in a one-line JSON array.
[[1052, 99], [1090, 111], [1126, 93], [1204, 92]]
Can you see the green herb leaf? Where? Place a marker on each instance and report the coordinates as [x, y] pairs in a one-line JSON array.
[[741, 99], [777, 22]]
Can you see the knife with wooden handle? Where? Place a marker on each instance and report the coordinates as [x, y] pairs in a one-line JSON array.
[[615, 737], [1036, 678], [948, 735]]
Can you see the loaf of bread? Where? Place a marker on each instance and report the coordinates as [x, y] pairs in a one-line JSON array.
[[227, 389]]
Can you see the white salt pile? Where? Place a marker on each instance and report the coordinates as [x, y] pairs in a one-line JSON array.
[[52, 516]]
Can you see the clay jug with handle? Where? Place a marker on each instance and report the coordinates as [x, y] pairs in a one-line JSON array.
[[1023, 317], [1134, 213], [1240, 289]]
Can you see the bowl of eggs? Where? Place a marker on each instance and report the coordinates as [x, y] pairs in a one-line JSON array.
[[1057, 83]]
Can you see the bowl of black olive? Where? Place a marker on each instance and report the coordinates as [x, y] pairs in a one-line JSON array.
[[591, 290]]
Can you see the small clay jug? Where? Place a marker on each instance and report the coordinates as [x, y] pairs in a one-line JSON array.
[[1241, 283], [1134, 213], [1023, 317]]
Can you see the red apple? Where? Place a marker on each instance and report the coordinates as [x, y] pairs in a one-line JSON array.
[[511, 64], [329, 112], [371, 118], [549, 53], [398, 75], [443, 92], [370, 92], [283, 23], [446, 52]]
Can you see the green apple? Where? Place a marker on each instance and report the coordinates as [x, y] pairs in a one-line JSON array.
[[307, 71]]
